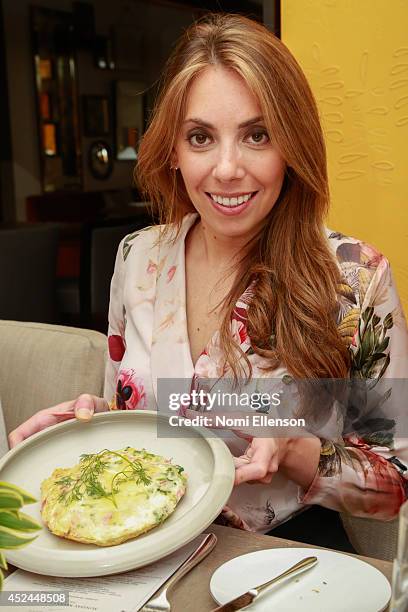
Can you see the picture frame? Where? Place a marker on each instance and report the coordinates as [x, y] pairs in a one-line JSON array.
[[96, 116]]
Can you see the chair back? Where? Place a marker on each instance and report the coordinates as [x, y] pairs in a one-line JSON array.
[[372, 538], [99, 246], [3, 435], [43, 365], [28, 260]]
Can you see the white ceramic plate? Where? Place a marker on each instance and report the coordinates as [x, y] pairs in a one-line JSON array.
[[206, 460], [338, 582]]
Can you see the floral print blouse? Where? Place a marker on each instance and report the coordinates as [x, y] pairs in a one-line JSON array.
[[363, 473]]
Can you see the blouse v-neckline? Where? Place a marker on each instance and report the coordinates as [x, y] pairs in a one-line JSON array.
[[212, 339], [171, 352]]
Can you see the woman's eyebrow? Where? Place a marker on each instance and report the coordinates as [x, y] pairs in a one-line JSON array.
[[211, 127]]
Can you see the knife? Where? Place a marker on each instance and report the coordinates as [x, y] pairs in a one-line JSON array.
[[247, 598]]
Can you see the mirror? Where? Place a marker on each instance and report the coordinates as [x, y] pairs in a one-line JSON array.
[[129, 103], [56, 88]]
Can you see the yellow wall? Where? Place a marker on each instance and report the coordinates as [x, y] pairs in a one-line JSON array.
[[355, 55]]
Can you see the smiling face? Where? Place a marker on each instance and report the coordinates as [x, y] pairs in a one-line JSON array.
[[232, 171]]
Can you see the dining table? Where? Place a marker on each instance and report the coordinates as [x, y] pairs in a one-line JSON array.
[[192, 593]]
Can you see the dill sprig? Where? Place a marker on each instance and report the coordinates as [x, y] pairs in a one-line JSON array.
[[88, 482]]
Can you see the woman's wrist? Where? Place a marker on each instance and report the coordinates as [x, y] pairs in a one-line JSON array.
[[301, 460]]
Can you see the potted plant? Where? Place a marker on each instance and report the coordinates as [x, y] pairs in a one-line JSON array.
[[15, 526]]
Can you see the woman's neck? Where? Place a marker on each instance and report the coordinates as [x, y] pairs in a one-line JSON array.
[[217, 250]]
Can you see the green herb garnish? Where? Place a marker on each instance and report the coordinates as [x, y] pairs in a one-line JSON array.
[[88, 482]]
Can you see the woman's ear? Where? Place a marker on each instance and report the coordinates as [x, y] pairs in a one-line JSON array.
[[173, 161]]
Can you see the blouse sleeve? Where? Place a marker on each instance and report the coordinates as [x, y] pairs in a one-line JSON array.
[[365, 473], [116, 329]]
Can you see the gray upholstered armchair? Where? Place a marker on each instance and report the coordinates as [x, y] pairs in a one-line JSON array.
[[42, 365], [372, 538]]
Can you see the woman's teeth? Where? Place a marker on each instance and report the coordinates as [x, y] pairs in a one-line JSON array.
[[231, 202]]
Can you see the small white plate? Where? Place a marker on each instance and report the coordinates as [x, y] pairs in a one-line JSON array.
[[205, 458], [338, 582]]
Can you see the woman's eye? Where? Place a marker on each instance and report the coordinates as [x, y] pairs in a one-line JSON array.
[[259, 137], [198, 139]]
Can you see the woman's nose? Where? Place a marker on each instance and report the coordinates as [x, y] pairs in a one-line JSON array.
[[228, 165]]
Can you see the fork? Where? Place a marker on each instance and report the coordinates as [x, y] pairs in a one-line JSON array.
[[160, 603]]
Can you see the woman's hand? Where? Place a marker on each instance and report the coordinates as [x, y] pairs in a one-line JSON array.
[[81, 408], [296, 458], [261, 460]]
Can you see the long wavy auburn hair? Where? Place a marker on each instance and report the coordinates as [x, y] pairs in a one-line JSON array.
[[292, 314]]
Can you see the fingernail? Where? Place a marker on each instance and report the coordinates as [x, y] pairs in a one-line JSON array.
[[83, 413]]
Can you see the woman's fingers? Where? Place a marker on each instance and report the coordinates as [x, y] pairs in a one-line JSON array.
[[252, 472], [86, 405], [258, 464], [82, 408], [41, 420], [240, 461]]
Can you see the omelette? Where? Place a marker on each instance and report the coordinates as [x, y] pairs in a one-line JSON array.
[[111, 496]]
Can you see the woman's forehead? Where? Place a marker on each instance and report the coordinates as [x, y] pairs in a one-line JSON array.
[[220, 93]]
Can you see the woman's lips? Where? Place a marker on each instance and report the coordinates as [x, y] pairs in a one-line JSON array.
[[230, 211]]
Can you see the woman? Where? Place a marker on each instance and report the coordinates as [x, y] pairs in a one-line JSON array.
[[234, 159]]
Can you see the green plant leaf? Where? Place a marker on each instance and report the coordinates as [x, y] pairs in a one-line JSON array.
[[10, 539], [378, 356], [20, 522], [388, 321], [367, 314], [1, 580], [27, 498], [385, 366], [376, 320], [383, 345], [379, 424], [3, 562], [370, 335], [10, 500], [380, 438]]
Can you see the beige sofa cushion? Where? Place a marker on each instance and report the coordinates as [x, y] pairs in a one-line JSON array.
[[42, 365]]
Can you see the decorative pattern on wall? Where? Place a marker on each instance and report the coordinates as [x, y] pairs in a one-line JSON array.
[[355, 55]]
